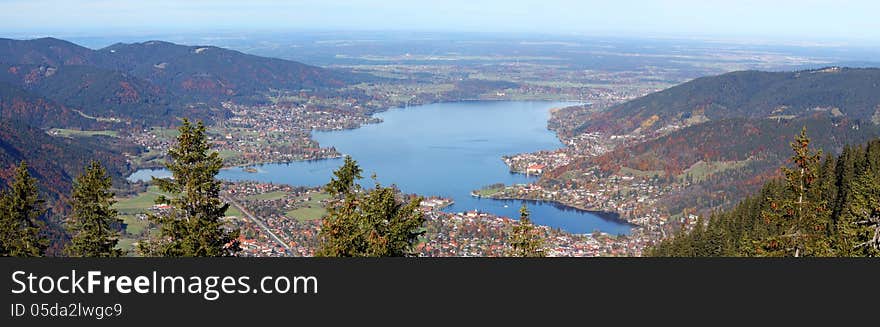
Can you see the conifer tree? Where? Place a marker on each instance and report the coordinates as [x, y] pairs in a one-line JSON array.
[[525, 240], [845, 211], [370, 223], [345, 179], [20, 211], [94, 219], [193, 227], [856, 228], [798, 211]]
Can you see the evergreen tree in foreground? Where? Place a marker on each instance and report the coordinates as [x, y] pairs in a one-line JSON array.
[[371, 223], [20, 211], [799, 212], [93, 220], [525, 240], [193, 227]]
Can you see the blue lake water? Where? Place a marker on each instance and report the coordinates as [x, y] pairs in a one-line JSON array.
[[446, 149]]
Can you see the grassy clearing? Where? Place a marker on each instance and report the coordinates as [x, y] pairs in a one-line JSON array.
[[233, 212], [136, 204], [140, 202], [77, 133], [702, 170], [129, 208], [571, 174], [490, 191], [311, 209], [318, 197], [640, 173], [169, 133], [134, 226], [307, 213]]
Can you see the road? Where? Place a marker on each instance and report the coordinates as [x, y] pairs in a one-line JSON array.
[[258, 222]]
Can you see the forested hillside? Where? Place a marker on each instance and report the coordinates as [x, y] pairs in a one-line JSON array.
[[18, 105], [823, 206], [847, 92], [150, 82], [740, 123], [54, 161]]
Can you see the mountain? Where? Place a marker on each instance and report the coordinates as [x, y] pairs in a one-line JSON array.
[[153, 81], [731, 133], [45, 51], [55, 161], [735, 139], [99, 92], [27, 108], [850, 92], [205, 73]]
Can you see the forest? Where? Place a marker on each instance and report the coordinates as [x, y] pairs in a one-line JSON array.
[[822, 206]]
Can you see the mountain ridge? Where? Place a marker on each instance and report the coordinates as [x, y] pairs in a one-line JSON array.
[[152, 81], [853, 92], [743, 121]]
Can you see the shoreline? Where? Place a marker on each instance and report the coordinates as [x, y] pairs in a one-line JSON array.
[[372, 114], [605, 215], [623, 226]]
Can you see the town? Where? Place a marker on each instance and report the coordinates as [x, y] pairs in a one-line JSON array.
[[292, 214]]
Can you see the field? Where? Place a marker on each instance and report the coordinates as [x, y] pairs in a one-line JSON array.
[[701, 170], [311, 209], [168, 133], [134, 225], [139, 202], [489, 191], [640, 173], [307, 213], [233, 212], [228, 154]]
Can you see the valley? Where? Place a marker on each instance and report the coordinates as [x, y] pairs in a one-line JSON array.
[[650, 141]]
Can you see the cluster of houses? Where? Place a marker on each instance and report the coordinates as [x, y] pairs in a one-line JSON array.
[[536, 163]]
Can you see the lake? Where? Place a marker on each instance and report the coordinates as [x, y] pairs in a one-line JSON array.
[[445, 149]]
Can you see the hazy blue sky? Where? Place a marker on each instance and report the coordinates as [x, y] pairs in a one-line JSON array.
[[765, 19]]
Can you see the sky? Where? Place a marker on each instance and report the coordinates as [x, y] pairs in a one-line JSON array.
[[794, 20]]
